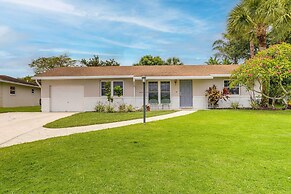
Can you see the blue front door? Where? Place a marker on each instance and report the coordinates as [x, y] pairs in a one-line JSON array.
[[186, 94]]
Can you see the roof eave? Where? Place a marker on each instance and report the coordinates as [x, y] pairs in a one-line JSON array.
[[17, 83]]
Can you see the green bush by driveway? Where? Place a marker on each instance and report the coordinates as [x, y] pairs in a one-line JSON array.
[[224, 151]]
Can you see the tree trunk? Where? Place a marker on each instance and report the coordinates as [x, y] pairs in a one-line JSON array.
[[262, 38], [252, 48]]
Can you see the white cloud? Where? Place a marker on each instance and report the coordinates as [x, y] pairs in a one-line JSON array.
[[73, 51], [121, 44], [6, 55], [8, 36], [48, 5]]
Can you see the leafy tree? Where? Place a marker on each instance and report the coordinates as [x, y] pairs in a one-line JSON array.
[[108, 92], [213, 61], [118, 91], [28, 79], [251, 20], [173, 61], [96, 61], [231, 50], [149, 60], [43, 64], [272, 65]]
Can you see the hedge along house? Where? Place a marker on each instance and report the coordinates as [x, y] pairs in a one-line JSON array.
[[15, 92], [167, 87]]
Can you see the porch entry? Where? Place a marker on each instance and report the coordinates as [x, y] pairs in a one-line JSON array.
[[186, 94]]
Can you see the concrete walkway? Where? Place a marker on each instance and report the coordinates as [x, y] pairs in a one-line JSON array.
[[40, 133]]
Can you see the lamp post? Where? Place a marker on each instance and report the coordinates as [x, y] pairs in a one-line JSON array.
[[144, 99]]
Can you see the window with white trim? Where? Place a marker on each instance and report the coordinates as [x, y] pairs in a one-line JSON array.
[[117, 83], [232, 91], [153, 92], [12, 90], [165, 92], [159, 92], [103, 90]]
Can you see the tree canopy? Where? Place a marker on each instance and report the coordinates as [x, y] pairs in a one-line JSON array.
[[270, 65], [43, 64], [96, 61], [231, 50], [149, 60], [254, 19]]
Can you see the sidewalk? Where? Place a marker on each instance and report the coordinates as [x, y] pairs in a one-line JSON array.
[[45, 133]]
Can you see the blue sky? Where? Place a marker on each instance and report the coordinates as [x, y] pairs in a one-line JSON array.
[[121, 29]]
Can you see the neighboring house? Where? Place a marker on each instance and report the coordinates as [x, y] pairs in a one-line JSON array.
[[15, 92], [167, 87]]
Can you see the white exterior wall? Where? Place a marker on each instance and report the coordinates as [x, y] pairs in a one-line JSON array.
[[133, 94]]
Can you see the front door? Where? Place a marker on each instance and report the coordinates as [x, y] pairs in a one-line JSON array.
[[186, 94]]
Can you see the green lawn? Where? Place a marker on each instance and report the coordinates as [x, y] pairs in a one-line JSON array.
[[20, 109], [219, 151], [92, 118]]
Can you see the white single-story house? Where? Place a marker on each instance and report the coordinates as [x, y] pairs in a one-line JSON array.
[[15, 92], [167, 87]]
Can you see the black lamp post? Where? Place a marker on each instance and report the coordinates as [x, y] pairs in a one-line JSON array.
[[144, 99]]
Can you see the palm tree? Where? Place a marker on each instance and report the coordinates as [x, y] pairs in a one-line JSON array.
[[213, 61], [252, 19], [230, 50], [173, 61]]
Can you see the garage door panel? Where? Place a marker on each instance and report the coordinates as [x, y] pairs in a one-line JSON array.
[[67, 98]]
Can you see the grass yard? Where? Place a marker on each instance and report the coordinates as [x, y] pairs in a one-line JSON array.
[[20, 109], [92, 118], [219, 151]]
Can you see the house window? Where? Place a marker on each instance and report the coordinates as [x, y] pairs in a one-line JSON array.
[[232, 91], [103, 90], [117, 83], [159, 92], [32, 91], [165, 92], [12, 90], [153, 93]]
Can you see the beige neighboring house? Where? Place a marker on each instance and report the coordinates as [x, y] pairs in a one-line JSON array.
[[167, 87], [15, 92]]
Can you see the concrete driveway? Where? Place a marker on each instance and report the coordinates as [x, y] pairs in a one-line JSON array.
[[13, 125], [17, 128]]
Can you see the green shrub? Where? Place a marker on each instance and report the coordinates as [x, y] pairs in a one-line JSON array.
[[130, 108], [109, 108], [234, 105], [100, 107], [122, 108]]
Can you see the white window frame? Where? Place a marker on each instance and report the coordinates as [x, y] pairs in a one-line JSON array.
[[111, 87], [14, 90], [239, 92], [159, 90]]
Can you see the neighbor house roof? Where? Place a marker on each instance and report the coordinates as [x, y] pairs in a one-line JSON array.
[[8, 79], [138, 71]]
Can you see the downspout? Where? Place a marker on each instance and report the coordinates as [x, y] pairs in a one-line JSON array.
[[37, 83]]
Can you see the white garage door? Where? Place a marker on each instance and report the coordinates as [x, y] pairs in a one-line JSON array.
[[67, 98]]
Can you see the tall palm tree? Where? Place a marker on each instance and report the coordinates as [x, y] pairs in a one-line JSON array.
[[173, 61], [252, 19], [230, 49], [213, 61]]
